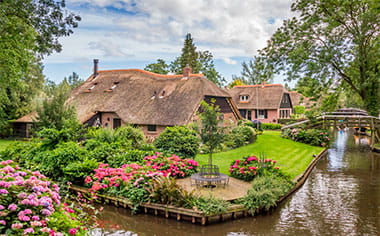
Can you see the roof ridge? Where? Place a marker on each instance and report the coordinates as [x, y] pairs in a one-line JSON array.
[[258, 85], [149, 73]]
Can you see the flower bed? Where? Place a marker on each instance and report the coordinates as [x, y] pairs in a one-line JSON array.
[[250, 166], [30, 204], [131, 180]]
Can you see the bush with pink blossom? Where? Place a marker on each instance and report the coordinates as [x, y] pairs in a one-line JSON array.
[[30, 204], [131, 180], [249, 167]]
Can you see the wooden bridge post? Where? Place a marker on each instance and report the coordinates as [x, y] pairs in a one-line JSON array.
[[372, 133]]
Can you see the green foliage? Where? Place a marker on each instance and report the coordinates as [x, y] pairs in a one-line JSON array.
[[256, 72], [28, 31], [53, 162], [54, 113], [76, 171], [72, 130], [178, 140], [212, 135], [127, 157], [239, 136], [335, 45], [135, 135], [73, 80], [270, 126], [313, 137], [165, 190], [160, 67], [299, 110], [199, 61], [265, 192], [211, 206]]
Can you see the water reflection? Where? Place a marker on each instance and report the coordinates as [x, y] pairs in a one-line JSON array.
[[341, 197]]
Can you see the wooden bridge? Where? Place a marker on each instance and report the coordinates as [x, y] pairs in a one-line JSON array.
[[342, 118]]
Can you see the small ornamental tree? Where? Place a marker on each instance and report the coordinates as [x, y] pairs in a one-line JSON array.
[[211, 132]]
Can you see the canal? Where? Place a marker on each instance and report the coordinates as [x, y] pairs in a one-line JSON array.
[[341, 197]]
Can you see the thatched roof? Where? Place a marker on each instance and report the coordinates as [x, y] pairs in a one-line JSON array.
[[141, 97], [29, 118], [261, 96]]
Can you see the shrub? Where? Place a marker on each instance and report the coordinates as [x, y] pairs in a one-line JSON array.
[[178, 140], [135, 135], [265, 192], [270, 126], [165, 190], [239, 136], [314, 137], [211, 206], [52, 163], [250, 166], [30, 204], [128, 157], [75, 172]]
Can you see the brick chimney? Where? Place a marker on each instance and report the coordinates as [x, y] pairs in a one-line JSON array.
[[187, 71], [96, 62]]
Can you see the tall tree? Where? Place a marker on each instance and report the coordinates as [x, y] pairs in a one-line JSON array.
[[73, 80], [256, 72], [211, 132], [199, 61], [159, 67], [334, 42], [54, 112], [29, 29]]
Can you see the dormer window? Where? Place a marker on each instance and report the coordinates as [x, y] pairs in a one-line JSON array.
[[244, 98], [113, 87], [91, 88], [162, 94]]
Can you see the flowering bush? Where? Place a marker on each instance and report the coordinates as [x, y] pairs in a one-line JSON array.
[[29, 204], [313, 137], [248, 167], [131, 180]]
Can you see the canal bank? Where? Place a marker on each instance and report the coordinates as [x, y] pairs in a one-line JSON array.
[[341, 197]]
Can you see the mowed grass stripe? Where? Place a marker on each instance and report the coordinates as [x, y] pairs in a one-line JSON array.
[[292, 157]]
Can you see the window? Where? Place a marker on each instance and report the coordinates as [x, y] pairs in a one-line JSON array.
[[244, 98], [249, 115], [263, 114], [152, 128]]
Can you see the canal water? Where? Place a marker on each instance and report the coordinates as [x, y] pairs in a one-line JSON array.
[[341, 197]]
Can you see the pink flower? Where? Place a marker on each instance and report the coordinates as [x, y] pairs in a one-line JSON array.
[[16, 226], [12, 207], [2, 222], [28, 230], [72, 231]]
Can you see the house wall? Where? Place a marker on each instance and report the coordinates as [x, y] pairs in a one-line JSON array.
[[107, 119], [151, 135]]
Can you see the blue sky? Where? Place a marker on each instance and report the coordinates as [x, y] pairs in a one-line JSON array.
[[127, 34]]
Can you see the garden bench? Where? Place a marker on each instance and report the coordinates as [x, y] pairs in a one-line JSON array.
[[209, 175]]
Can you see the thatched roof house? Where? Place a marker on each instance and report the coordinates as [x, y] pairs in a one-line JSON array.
[[133, 96], [111, 98], [264, 102]]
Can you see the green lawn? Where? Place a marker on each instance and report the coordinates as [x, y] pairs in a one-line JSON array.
[[291, 157], [5, 143]]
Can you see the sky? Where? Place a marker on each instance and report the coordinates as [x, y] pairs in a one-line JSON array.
[[127, 34]]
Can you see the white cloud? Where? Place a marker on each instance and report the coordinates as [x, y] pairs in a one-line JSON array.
[[114, 30], [229, 61]]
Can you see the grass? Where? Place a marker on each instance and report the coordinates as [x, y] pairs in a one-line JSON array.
[[377, 145], [292, 157], [4, 143]]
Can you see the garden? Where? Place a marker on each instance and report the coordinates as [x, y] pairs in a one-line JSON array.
[[120, 163]]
